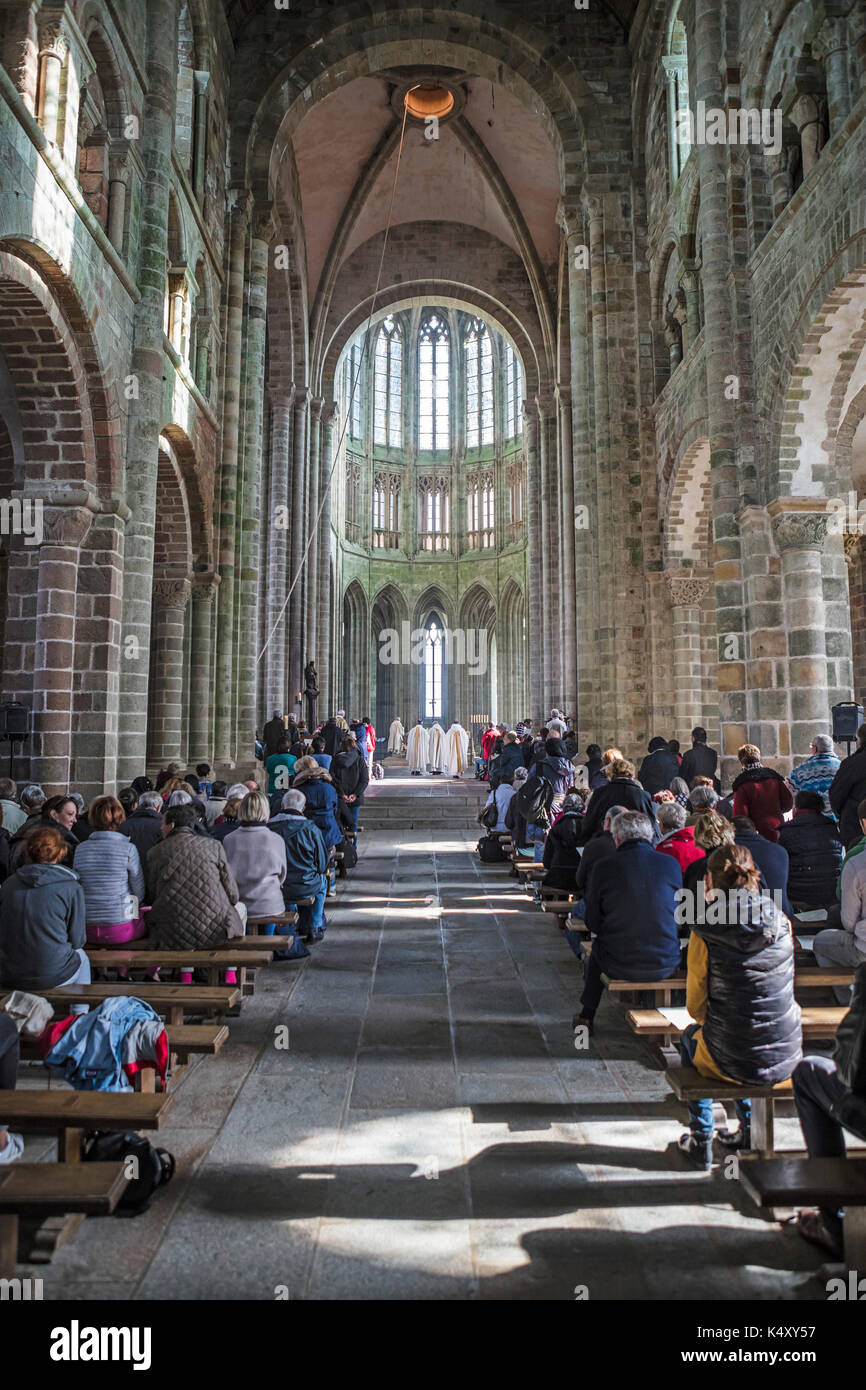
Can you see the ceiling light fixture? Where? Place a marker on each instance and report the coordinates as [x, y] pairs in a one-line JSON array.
[[428, 99]]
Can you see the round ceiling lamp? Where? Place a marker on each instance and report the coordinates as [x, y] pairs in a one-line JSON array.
[[428, 99]]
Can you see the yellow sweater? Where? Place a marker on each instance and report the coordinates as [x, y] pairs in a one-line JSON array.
[[696, 1003]]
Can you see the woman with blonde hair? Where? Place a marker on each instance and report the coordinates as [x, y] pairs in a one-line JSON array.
[[257, 858], [711, 832]]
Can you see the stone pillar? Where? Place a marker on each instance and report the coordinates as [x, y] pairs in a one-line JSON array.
[[311, 569], [548, 540], [20, 52], [763, 651], [535, 616], [226, 663], [165, 731], [298, 514], [686, 673], [330, 435], [63, 532], [148, 358], [202, 695], [566, 579], [800, 530], [837, 56], [279, 522], [116, 213], [202, 82], [53, 48], [807, 107]]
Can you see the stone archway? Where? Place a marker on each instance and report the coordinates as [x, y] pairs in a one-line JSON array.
[[687, 678], [356, 685]]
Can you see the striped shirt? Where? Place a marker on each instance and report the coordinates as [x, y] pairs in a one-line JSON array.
[[111, 875]]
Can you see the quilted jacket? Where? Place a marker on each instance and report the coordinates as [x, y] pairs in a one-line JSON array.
[[193, 893]]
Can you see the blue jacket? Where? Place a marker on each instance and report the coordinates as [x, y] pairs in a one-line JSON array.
[[321, 808], [503, 768], [91, 1053], [306, 856], [772, 860], [631, 904]]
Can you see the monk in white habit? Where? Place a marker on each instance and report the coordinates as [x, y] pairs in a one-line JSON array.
[[455, 750], [396, 734], [437, 736], [418, 750]]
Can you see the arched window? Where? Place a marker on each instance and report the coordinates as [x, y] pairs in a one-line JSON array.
[[479, 507], [386, 511], [388, 386], [479, 385], [676, 66], [513, 393], [434, 645], [433, 512], [433, 385], [352, 389]]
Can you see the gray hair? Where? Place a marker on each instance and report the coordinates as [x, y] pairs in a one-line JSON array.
[[32, 797], [671, 815], [151, 801], [236, 792], [703, 798], [78, 799], [294, 801], [178, 798], [611, 814], [632, 825], [520, 775], [823, 743]]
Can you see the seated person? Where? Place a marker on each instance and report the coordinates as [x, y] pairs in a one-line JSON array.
[[319, 755], [513, 819], [110, 870], [678, 839], [256, 860], [623, 789], [509, 760], [11, 1145], [740, 991], [307, 862], [760, 793], [600, 847], [190, 885], [215, 803], [631, 907], [813, 843], [702, 798], [828, 1104], [500, 798], [771, 858], [202, 772], [228, 820], [561, 856], [710, 831], [280, 767], [321, 799], [845, 946], [59, 812], [42, 916]]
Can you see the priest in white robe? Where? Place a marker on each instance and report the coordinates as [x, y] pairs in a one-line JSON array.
[[437, 734], [418, 750], [396, 734], [455, 750]]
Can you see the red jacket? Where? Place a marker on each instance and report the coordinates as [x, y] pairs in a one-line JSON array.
[[681, 847], [487, 741], [762, 795]]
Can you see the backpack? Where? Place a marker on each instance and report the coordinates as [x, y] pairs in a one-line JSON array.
[[534, 799], [490, 850], [349, 853], [490, 816], [153, 1167], [378, 770]]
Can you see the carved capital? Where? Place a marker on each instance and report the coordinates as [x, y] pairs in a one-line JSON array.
[[593, 204], [686, 588], [851, 541], [66, 526], [303, 396], [204, 587], [171, 593], [569, 217], [798, 523], [52, 39], [263, 222], [317, 405], [330, 412]]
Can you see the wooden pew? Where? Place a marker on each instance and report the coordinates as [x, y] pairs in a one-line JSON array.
[[688, 1084], [214, 962], [71, 1114], [173, 1002], [817, 1023], [47, 1190], [808, 978], [237, 943], [560, 911], [829, 1182]]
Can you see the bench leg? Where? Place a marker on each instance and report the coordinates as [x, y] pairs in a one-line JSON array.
[[69, 1143], [854, 1227], [763, 1125], [174, 1015], [8, 1245]]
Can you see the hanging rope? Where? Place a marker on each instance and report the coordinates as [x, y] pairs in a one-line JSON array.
[[336, 453]]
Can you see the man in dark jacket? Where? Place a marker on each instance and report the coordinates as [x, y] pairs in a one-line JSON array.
[[598, 849], [632, 909], [812, 841], [700, 760], [621, 790], [847, 790], [594, 771], [770, 858], [272, 733], [144, 826], [351, 776], [307, 861], [332, 735], [509, 760], [659, 767]]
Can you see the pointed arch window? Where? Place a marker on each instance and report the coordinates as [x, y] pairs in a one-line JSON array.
[[479, 385], [676, 66], [388, 386], [433, 512], [513, 393], [479, 507], [434, 644], [352, 389], [433, 384]]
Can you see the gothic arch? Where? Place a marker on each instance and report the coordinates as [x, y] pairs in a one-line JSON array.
[[356, 683]]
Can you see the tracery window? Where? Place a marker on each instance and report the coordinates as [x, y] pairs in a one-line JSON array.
[[479, 385], [388, 386], [386, 511], [433, 512], [513, 393], [479, 508], [434, 364]]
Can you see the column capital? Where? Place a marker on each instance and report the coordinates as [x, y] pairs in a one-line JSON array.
[[303, 396], [204, 586], [52, 37], [544, 402], [563, 397], [852, 543], [264, 222], [240, 202], [569, 216], [280, 396], [330, 412], [687, 588], [68, 524], [593, 202], [171, 593], [799, 523], [317, 405]]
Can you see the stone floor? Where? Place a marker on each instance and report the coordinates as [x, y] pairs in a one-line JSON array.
[[430, 1131]]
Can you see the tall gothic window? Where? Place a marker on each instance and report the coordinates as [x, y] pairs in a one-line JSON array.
[[513, 393], [676, 66], [388, 386], [433, 384], [433, 513], [352, 389], [386, 511], [479, 386], [479, 508], [433, 654]]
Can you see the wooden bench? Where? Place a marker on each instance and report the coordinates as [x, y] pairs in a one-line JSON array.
[[238, 943], [559, 910], [185, 1040], [804, 979], [45, 1190], [688, 1084], [70, 1114], [817, 1023], [214, 962], [828, 1182], [172, 1002]]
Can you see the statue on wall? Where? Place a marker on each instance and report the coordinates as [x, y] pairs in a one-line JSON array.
[[311, 690]]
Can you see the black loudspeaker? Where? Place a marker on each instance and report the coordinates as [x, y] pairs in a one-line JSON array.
[[847, 718], [14, 721]]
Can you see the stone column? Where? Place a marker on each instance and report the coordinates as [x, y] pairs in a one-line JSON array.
[[311, 568], [279, 523], [63, 532], [165, 731], [226, 662], [202, 695], [21, 52], [686, 674], [299, 522], [148, 358], [53, 48], [807, 106], [202, 82], [800, 530], [535, 616], [837, 56], [548, 540], [566, 579], [330, 435]]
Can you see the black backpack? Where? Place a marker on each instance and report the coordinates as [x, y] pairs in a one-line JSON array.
[[534, 799], [349, 853], [490, 850], [153, 1167], [490, 816]]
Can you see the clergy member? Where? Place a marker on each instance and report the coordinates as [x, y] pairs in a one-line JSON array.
[[418, 750], [437, 734], [395, 737], [455, 750]]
